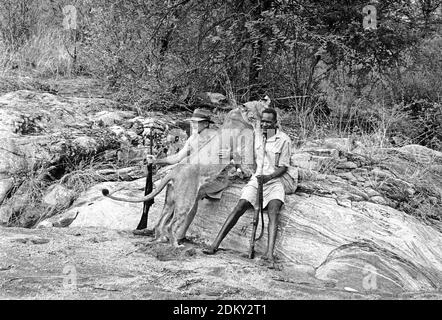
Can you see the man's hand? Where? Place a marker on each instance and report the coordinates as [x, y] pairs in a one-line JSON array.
[[264, 178], [150, 159]]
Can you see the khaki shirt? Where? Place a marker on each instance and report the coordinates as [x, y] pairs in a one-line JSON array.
[[277, 152]]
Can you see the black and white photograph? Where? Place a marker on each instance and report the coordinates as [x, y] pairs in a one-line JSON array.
[[222, 156]]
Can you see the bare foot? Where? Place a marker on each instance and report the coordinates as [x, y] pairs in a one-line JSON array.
[[176, 245], [269, 262], [266, 259]]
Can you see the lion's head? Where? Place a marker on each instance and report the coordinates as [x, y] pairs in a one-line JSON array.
[[248, 113], [252, 110]]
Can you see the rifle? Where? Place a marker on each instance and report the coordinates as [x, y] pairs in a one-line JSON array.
[[147, 189], [260, 205]]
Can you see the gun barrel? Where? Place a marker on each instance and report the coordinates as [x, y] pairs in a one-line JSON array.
[[147, 189], [252, 236]]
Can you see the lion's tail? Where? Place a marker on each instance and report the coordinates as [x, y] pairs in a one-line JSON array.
[[148, 197]]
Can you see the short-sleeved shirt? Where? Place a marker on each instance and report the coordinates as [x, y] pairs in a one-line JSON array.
[[277, 152]]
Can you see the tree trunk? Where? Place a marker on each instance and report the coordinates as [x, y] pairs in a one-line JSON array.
[[255, 67]]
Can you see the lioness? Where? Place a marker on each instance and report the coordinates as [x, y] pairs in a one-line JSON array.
[[185, 180]]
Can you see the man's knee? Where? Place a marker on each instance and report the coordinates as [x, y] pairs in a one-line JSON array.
[[243, 205], [273, 208]]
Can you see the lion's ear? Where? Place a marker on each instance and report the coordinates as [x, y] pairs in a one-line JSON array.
[[266, 101]]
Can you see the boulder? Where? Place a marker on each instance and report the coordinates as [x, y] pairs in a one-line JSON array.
[[58, 196], [45, 134], [340, 144], [212, 99], [108, 118], [365, 246], [345, 226], [40, 133], [350, 234], [421, 154], [339, 241], [91, 209]]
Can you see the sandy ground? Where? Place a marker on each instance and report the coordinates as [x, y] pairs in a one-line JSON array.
[[92, 263]]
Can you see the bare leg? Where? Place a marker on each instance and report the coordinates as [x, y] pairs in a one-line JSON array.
[[273, 207], [230, 222]]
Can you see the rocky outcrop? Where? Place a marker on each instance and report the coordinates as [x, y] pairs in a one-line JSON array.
[[345, 221], [344, 244], [43, 137], [41, 133], [365, 220], [213, 100]]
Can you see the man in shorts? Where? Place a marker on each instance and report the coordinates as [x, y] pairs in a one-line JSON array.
[[274, 164]]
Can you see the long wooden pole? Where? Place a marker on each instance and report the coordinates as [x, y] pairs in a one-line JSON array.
[[260, 203], [147, 189]]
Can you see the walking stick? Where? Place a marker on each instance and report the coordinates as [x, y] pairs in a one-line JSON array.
[[260, 204], [147, 189]]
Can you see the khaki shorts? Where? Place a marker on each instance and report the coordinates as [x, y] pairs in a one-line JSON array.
[[272, 190]]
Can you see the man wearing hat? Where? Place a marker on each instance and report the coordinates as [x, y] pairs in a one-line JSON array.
[[200, 134]]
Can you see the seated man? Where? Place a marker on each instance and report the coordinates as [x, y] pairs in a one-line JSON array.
[[274, 164]]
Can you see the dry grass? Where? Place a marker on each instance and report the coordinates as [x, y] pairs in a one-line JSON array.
[[26, 208], [422, 172], [425, 178], [47, 54], [81, 177]]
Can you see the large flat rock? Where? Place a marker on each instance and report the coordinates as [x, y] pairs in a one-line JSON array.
[[364, 246]]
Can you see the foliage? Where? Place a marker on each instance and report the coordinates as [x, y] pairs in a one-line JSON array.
[[313, 58], [17, 21]]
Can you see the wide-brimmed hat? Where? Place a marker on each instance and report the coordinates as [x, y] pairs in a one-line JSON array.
[[200, 115]]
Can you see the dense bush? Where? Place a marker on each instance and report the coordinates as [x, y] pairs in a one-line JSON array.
[[18, 19], [313, 58]]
